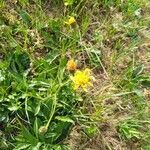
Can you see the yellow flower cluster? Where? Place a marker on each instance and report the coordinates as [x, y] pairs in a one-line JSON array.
[[82, 79], [70, 21]]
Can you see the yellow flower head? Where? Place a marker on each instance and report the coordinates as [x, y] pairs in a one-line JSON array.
[[82, 79], [71, 65], [70, 21]]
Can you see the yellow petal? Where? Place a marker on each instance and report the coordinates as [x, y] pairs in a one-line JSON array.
[[70, 21], [82, 79]]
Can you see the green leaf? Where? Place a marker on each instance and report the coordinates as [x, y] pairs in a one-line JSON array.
[[18, 62], [146, 83], [13, 108], [23, 2], [25, 16], [137, 71], [68, 2], [28, 136], [91, 131], [138, 92], [39, 144], [36, 127], [37, 109], [57, 147], [2, 77], [64, 119], [22, 146]]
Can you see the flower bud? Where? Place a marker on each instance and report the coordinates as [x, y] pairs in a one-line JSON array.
[[42, 129], [71, 65]]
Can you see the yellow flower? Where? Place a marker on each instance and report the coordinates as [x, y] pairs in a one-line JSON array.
[[82, 79], [71, 65], [70, 21]]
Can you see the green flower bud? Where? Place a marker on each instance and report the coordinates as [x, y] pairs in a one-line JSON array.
[[42, 129]]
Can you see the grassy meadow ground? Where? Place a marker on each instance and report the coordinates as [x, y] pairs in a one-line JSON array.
[[40, 109]]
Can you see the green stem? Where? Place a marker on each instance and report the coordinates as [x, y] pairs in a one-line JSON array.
[[52, 112]]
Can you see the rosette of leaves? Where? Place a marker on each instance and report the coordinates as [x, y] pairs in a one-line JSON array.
[[19, 62]]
